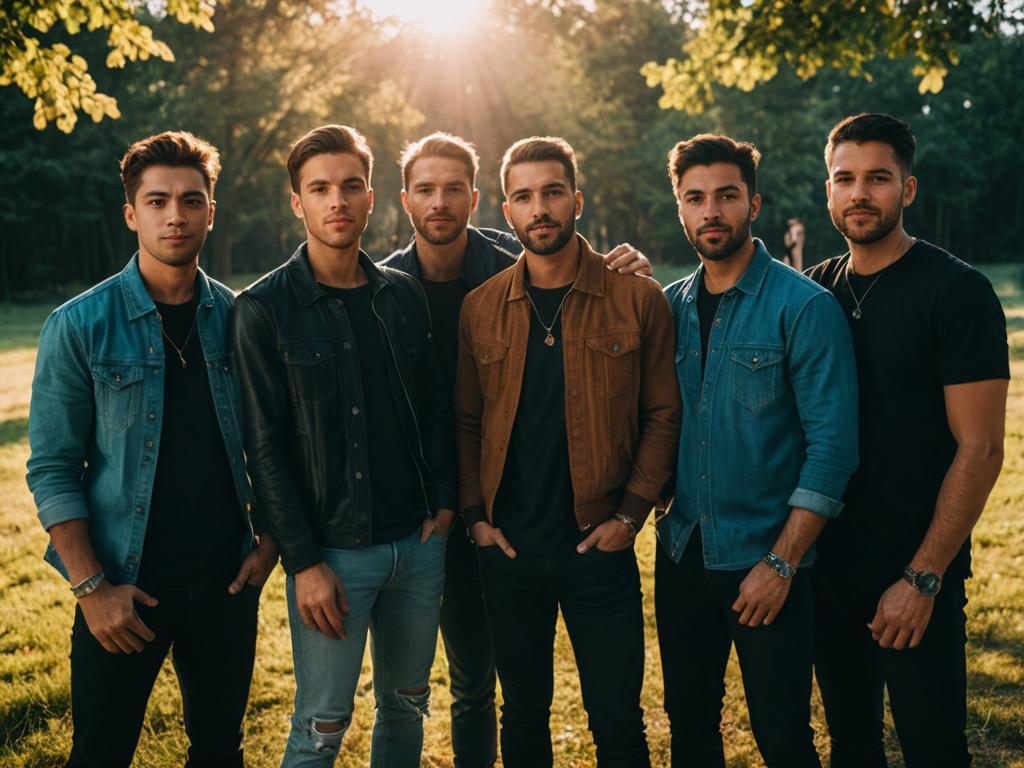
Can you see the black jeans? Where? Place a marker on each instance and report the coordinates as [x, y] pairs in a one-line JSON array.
[[212, 638], [467, 644], [599, 594], [927, 685], [696, 630]]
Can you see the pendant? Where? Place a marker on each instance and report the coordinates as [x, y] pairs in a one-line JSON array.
[[549, 340], [182, 359], [856, 313]]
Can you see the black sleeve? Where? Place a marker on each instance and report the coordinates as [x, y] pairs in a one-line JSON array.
[[972, 332], [265, 405]]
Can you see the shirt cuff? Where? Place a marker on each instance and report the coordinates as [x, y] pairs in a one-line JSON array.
[[72, 507], [818, 503]]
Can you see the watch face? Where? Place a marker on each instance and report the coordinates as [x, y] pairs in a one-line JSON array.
[[928, 583]]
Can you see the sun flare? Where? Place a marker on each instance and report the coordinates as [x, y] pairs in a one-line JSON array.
[[438, 18]]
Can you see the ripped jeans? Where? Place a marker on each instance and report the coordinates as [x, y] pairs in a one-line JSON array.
[[394, 591]]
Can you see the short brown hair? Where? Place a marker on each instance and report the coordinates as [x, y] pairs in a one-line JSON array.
[[440, 144], [874, 126], [173, 148], [708, 149], [328, 140], [537, 149]]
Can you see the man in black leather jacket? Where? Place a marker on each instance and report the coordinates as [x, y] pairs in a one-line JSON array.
[[349, 445]]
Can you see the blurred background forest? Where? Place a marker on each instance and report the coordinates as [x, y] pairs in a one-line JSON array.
[[272, 69]]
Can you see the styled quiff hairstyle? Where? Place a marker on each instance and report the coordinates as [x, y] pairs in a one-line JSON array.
[[708, 149], [329, 140], [173, 148], [537, 149], [440, 144], [874, 126]]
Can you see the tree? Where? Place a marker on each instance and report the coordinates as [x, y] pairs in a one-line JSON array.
[[743, 43], [57, 78]]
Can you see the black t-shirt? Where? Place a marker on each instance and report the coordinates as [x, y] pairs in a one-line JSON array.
[[445, 302], [195, 529], [707, 308], [927, 321], [396, 493], [534, 505]]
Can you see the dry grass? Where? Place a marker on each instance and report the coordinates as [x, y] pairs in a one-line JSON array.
[[36, 609]]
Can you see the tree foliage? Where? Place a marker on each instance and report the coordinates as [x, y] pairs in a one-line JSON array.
[[57, 79], [744, 43]]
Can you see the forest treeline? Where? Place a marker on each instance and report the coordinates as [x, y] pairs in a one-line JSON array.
[[273, 69]]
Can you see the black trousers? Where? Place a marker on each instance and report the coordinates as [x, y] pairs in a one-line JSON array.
[[212, 638], [599, 594], [696, 630], [467, 644], [927, 685]]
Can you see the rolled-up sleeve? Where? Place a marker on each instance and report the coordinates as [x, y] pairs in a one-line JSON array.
[[823, 371], [60, 424]]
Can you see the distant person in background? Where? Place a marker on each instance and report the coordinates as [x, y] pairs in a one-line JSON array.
[[932, 360], [794, 242], [769, 440], [139, 477], [450, 257]]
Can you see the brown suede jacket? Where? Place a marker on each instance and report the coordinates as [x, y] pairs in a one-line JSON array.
[[622, 407]]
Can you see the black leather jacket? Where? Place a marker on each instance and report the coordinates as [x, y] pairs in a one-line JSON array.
[[306, 441]]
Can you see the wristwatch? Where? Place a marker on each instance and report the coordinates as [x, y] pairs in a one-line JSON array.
[[780, 566], [925, 582]]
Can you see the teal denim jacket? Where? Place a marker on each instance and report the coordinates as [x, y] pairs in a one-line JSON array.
[[97, 410], [774, 423]]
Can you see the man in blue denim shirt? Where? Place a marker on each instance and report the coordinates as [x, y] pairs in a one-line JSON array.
[[139, 478], [769, 440]]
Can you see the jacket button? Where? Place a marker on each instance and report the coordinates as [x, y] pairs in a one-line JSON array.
[[149, 443], [138, 510], [355, 410], [152, 417], [117, 377], [359, 475], [754, 359], [316, 356], [616, 347], [248, 507]]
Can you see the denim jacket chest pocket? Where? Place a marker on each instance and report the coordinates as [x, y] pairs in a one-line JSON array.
[[756, 371], [312, 373], [490, 364], [118, 390], [616, 361]]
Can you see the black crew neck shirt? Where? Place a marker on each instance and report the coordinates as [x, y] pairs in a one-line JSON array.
[[534, 505], [396, 493], [445, 302], [928, 321], [707, 308], [195, 530]]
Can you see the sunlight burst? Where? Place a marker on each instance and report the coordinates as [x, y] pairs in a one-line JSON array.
[[438, 18]]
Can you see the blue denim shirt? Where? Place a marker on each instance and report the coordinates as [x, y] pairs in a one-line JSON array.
[[97, 410], [774, 423]]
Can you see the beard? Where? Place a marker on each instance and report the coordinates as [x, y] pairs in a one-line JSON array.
[[723, 250], [421, 226], [331, 239], [885, 223], [565, 233]]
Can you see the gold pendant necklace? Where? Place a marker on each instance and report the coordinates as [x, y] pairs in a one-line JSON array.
[[549, 340]]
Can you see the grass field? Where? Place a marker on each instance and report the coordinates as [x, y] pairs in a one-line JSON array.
[[36, 610]]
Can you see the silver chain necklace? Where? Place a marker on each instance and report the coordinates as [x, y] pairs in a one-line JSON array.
[[857, 313], [550, 338]]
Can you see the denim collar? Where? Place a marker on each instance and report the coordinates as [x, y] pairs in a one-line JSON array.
[[750, 281], [304, 285], [137, 298]]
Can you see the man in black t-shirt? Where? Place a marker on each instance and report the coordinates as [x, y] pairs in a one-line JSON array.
[[139, 476], [450, 258], [930, 340]]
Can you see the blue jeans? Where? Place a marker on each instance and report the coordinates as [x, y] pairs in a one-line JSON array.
[[394, 590]]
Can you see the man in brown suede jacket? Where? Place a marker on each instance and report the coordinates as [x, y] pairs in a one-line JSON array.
[[567, 414]]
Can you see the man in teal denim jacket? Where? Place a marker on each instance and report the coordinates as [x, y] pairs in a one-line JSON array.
[[769, 439], [139, 478]]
